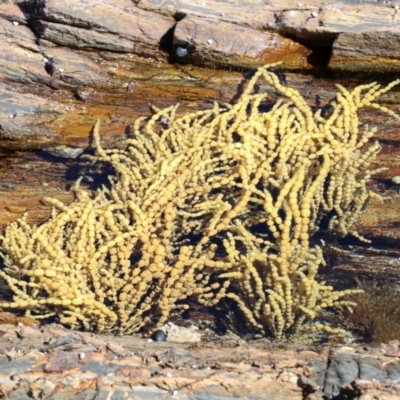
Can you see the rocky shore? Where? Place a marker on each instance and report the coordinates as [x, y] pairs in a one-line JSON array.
[[54, 363], [65, 64]]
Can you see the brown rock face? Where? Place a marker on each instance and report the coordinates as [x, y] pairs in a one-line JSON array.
[[212, 41], [114, 26], [351, 50]]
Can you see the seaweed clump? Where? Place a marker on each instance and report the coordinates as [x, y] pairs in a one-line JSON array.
[[221, 196]]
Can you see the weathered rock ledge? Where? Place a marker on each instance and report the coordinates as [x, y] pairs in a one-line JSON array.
[[51, 362], [65, 63]]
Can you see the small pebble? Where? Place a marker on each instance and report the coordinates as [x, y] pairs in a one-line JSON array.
[[175, 392], [314, 14], [181, 52], [87, 179], [60, 69], [15, 23], [82, 356], [209, 41], [159, 336]]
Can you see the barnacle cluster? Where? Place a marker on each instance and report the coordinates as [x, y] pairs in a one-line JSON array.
[[229, 194]]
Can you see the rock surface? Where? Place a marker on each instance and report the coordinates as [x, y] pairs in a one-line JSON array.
[[52, 362], [64, 64]]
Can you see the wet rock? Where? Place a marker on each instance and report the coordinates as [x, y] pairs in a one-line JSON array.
[[304, 24], [343, 370], [20, 60], [64, 151], [222, 44], [352, 50], [22, 121], [92, 25], [352, 369], [97, 52], [248, 13]]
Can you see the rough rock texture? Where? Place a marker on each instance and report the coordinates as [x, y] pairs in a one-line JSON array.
[[52, 362], [63, 64], [216, 45]]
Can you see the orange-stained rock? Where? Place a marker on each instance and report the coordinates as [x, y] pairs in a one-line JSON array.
[[221, 44]]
